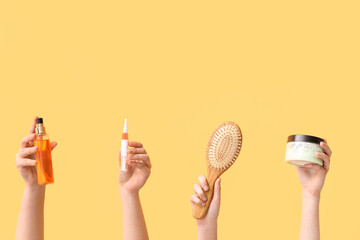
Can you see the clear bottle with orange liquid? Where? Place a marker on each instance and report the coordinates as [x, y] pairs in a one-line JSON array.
[[43, 155]]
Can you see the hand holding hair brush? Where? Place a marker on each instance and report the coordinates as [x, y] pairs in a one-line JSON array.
[[222, 150]]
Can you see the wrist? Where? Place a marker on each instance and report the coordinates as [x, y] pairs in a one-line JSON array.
[[313, 196], [35, 187], [206, 224], [207, 230], [125, 192]]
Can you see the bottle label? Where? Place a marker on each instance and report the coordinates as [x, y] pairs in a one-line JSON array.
[[124, 147]]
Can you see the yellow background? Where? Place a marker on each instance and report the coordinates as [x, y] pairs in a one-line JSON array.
[[177, 69]]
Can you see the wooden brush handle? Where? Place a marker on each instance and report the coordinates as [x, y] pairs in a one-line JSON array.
[[198, 211]]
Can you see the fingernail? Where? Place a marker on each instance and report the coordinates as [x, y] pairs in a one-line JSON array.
[[204, 199], [206, 188], [203, 204]]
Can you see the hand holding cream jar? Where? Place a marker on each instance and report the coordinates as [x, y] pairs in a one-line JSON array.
[[302, 149]]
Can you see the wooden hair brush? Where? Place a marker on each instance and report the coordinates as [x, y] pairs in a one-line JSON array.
[[222, 150]]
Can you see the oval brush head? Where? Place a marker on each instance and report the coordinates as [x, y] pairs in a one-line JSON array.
[[224, 146], [222, 150]]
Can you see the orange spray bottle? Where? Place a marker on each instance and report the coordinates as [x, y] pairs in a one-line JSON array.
[[43, 155]]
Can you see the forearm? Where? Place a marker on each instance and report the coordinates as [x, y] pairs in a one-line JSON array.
[[134, 226], [207, 231], [30, 225], [310, 226]]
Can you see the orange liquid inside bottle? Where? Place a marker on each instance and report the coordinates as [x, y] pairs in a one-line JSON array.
[[125, 136], [44, 163]]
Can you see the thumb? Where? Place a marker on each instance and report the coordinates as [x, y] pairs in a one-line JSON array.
[[313, 166], [53, 145], [217, 192]]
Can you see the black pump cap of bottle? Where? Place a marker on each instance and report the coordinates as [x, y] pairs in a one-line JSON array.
[[39, 120]]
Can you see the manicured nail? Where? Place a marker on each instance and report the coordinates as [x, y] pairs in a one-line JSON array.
[[206, 188]]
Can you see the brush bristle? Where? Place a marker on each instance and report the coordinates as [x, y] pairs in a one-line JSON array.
[[224, 146]]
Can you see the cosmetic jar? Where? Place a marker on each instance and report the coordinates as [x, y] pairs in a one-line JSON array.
[[302, 149]]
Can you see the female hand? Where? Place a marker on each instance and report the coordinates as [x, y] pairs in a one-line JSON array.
[[312, 176], [138, 171], [25, 158], [199, 198]]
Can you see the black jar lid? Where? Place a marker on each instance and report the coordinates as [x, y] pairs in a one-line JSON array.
[[304, 138]]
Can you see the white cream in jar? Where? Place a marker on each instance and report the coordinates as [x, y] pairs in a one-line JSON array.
[[302, 149]]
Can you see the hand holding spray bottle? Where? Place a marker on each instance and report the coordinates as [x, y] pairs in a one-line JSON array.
[[124, 147]]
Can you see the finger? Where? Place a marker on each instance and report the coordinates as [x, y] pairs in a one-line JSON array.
[[23, 152], [326, 148], [319, 168], [136, 151], [217, 191], [309, 165], [138, 164], [141, 157], [53, 145], [198, 190], [135, 144], [24, 162], [33, 126], [325, 158], [195, 200], [314, 166], [203, 183], [25, 141]]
